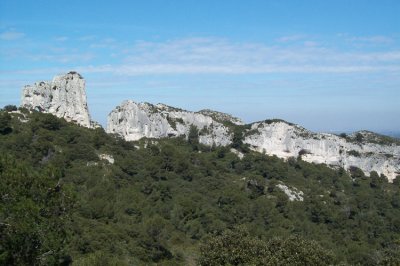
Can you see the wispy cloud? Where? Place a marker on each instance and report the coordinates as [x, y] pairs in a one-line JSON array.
[[61, 39], [221, 56], [291, 38], [108, 43], [87, 38], [63, 58], [11, 35], [371, 39], [134, 70], [213, 55]]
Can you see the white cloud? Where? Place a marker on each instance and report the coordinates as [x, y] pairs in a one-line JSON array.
[[63, 58], [310, 44], [134, 70], [87, 38], [61, 39], [11, 35], [107, 43], [291, 38], [221, 56], [213, 55], [378, 39]]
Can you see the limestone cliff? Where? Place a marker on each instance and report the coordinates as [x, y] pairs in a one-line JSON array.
[[64, 97], [134, 121], [221, 117], [367, 151]]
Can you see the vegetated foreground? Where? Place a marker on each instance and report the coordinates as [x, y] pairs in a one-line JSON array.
[[75, 195]]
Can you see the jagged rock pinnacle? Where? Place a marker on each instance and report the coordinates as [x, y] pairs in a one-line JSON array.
[[64, 97]]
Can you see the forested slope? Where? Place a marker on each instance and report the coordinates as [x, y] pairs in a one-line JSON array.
[[75, 195]]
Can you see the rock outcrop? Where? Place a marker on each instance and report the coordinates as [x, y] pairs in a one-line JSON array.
[[64, 97], [365, 150], [134, 121], [221, 117], [292, 193]]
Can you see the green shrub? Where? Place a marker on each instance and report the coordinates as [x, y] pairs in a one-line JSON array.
[[354, 153]]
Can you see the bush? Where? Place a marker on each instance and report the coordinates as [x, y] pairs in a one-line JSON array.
[[356, 172], [10, 108], [193, 137], [303, 152], [51, 122], [298, 251], [233, 247], [237, 247], [359, 137], [34, 212], [354, 153], [5, 123]]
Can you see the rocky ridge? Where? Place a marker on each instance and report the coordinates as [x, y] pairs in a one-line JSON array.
[[275, 137], [134, 121], [372, 152], [221, 117], [64, 97]]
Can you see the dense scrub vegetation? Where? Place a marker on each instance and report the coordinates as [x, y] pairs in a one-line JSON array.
[[176, 202]]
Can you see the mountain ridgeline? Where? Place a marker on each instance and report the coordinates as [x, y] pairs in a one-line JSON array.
[[65, 97], [172, 187]]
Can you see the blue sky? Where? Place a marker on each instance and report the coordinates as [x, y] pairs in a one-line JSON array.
[[327, 65]]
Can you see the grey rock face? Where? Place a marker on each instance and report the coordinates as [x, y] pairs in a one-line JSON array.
[[221, 117], [134, 121], [287, 140], [64, 97]]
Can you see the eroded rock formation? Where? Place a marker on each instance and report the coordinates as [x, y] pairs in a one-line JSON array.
[[64, 97], [134, 121], [369, 153]]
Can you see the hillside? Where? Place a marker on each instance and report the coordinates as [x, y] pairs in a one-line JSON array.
[[71, 194]]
